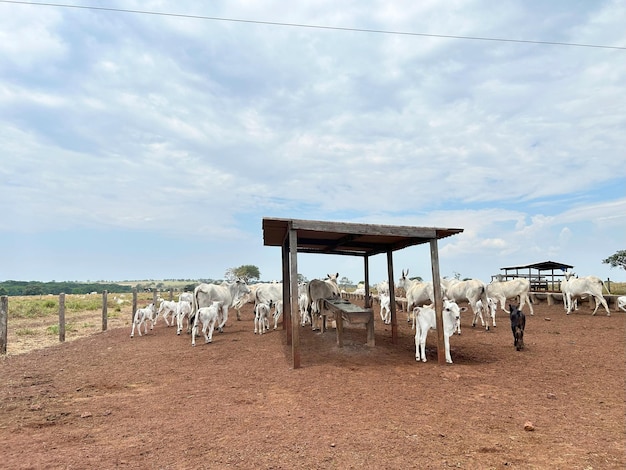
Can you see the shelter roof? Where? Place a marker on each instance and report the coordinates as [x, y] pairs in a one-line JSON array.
[[342, 238], [542, 266]]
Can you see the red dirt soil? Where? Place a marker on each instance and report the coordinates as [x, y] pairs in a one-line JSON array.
[[154, 402]]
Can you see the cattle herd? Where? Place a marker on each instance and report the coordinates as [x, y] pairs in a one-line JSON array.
[[209, 304]]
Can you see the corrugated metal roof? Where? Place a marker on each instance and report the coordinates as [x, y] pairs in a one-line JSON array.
[[542, 266]]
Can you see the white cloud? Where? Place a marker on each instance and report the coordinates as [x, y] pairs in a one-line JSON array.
[[191, 128]]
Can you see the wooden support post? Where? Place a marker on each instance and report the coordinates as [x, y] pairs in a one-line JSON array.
[[62, 317], [155, 293], [366, 268], [4, 315], [550, 299], [104, 310], [392, 299], [293, 263], [434, 261], [171, 294], [287, 310], [339, 326]]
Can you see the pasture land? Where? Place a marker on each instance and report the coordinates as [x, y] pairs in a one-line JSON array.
[[109, 401]]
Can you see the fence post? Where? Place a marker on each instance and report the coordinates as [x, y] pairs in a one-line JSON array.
[[155, 293], [4, 313], [608, 285], [104, 310], [62, 317], [132, 314], [171, 294]]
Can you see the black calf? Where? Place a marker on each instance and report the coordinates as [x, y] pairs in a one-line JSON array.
[[518, 323]]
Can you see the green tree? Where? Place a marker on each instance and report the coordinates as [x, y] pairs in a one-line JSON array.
[[344, 281], [33, 289], [617, 260], [247, 272], [302, 278]]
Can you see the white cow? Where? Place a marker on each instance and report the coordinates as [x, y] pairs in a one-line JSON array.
[[417, 292], [186, 296], [247, 298], [318, 290], [360, 289], [492, 306], [208, 316], [471, 290], [167, 308], [383, 287], [272, 295], [228, 293], [577, 287], [142, 317], [621, 302], [426, 321], [500, 291], [183, 311], [385, 308]]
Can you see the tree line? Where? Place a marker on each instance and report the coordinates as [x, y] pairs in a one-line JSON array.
[[54, 287]]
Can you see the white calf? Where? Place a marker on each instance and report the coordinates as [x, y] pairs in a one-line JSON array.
[[385, 308], [167, 308], [492, 306], [426, 320], [183, 311], [208, 316], [303, 302], [142, 317], [261, 318], [621, 302]]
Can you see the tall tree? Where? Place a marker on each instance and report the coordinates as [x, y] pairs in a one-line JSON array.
[[247, 272], [617, 260]]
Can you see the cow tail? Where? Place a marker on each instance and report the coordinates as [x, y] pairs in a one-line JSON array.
[[194, 308]]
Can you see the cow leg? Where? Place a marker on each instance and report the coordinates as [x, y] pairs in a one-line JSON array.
[[194, 332], [417, 343], [446, 342], [212, 322], [204, 332], [220, 327], [179, 323]]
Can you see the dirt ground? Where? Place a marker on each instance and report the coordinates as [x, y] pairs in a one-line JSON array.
[[154, 402]]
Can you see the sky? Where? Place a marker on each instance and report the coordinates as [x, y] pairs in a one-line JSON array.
[[151, 144]]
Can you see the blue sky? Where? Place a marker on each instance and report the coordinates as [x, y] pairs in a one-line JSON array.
[[150, 146]]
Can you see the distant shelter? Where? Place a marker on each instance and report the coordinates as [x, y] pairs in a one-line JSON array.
[[544, 276]]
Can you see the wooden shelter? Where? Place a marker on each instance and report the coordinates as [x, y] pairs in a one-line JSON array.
[[338, 238], [543, 276]]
